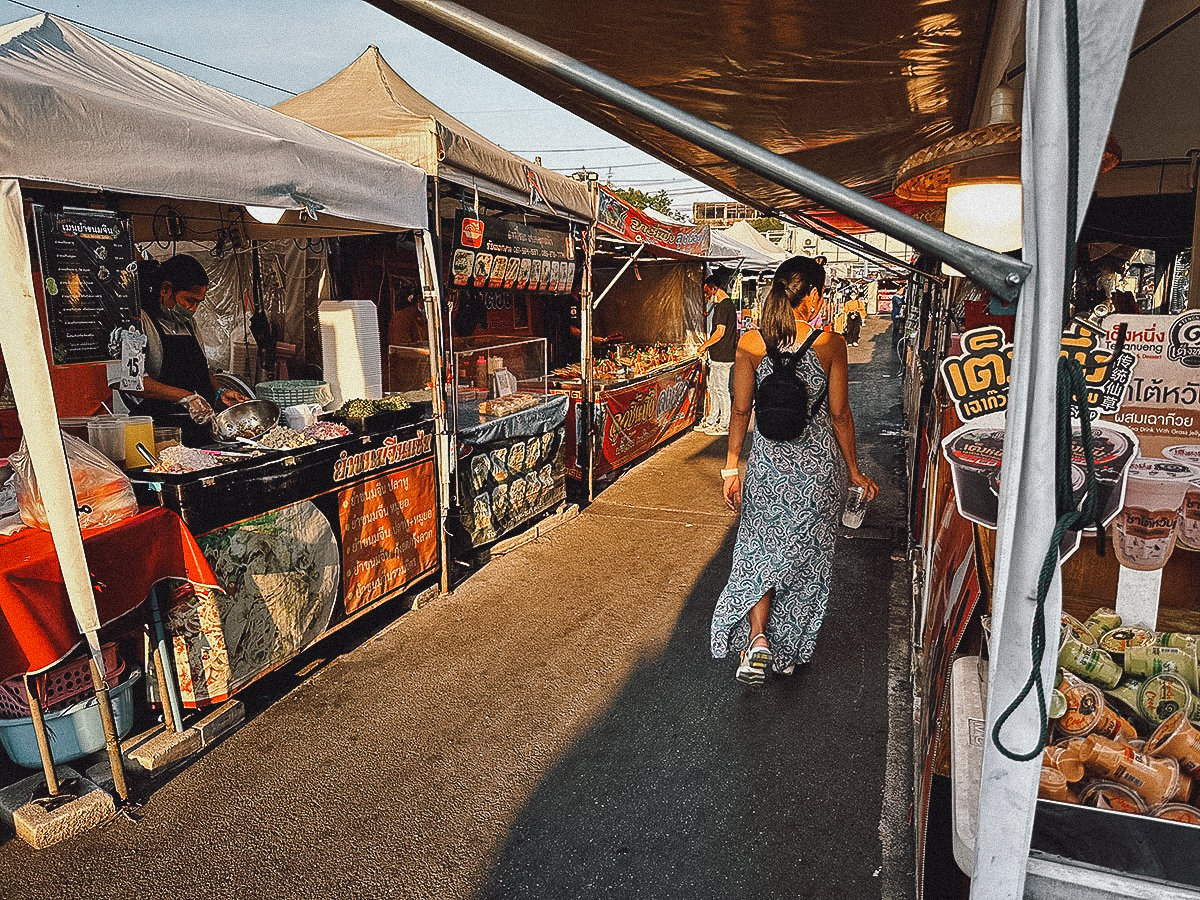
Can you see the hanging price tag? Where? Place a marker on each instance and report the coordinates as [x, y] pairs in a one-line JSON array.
[[133, 360]]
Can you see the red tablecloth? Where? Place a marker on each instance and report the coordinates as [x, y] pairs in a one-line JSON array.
[[37, 627]]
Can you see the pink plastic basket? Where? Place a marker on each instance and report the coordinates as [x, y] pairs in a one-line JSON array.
[[59, 686]]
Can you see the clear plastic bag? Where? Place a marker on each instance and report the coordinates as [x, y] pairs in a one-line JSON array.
[[103, 494]]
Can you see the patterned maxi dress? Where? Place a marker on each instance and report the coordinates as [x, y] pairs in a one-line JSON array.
[[791, 501]]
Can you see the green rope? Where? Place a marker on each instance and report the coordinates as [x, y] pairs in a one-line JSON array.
[[1071, 387]]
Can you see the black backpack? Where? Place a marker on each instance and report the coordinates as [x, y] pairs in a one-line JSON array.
[[781, 404]]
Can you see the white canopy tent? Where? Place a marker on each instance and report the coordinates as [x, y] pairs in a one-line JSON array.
[[79, 113], [724, 243]]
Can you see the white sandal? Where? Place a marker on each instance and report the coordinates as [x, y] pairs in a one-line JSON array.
[[752, 669]]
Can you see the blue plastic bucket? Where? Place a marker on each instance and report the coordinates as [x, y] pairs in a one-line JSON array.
[[74, 730]]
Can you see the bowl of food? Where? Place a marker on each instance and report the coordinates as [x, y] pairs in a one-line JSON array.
[[250, 419]]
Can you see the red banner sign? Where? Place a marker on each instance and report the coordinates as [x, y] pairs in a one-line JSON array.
[[618, 217], [637, 418]]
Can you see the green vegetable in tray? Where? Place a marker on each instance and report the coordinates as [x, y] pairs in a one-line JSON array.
[[394, 404], [359, 409]]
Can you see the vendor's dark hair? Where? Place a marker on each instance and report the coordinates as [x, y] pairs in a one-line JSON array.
[[778, 321], [715, 282], [184, 272]]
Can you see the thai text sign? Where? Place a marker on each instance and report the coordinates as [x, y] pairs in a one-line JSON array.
[[389, 533], [618, 217], [1162, 401], [977, 379], [512, 256], [637, 418]]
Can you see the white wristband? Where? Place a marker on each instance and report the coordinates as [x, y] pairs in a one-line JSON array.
[[729, 473]]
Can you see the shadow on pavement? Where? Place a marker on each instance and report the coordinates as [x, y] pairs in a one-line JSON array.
[[690, 785]]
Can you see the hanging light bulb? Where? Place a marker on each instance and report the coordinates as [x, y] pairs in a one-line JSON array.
[[977, 174]]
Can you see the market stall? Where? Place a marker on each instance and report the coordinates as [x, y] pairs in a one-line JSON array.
[[512, 238], [182, 161], [632, 393]]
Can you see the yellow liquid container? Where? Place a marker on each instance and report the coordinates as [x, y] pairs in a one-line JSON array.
[[138, 429]]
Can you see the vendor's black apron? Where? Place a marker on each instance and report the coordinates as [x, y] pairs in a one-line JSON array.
[[183, 366]]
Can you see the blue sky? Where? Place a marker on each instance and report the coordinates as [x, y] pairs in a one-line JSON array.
[[296, 45]]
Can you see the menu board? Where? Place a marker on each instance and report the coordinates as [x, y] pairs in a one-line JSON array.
[[89, 279], [511, 256]]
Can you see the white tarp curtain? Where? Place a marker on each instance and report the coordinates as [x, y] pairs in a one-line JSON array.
[[657, 301], [77, 111], [25, 360], [291, 275], [1106, 28]]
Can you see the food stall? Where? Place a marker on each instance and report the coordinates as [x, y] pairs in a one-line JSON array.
[[645, 387], [269, 525], [1103, 825], [512, 237]]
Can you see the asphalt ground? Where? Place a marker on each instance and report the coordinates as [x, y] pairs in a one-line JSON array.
[[556, 728]]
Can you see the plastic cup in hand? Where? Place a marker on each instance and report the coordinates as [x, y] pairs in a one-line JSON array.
[[1148, 524], [856, 506]]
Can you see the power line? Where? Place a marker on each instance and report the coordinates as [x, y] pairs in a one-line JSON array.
[[577, 149], [617, 166], [130, 40]]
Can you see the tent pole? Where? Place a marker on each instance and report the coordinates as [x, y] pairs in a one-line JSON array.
[[625, 268], [112, 740], [1000, 274], [585, 411], [431, 293], [860, 248], [43, 739]]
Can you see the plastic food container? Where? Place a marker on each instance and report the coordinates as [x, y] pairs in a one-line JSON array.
[[138, 430], [107, 434], [74, 731]]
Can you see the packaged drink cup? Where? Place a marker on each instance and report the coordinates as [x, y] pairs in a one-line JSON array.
[[1189, 525], [1147, 526], [1058, 704], [1091, 663], [1054, 786], [1161, 696], [1154, 779], [1111, 452], [1178, 812], [1175, 639], [1115, 642], [1102, 621], [1085, 706], [1110, 795], [1124, 697], [1149, 659], [856, 506], [1114, 727], [1078, 630], [1183, 793], [1065, 760], [1178, 739]]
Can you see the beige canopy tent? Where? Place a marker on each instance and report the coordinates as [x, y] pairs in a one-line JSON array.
[[369, 103]]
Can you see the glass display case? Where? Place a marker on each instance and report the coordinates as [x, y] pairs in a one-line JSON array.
[[496, 376]]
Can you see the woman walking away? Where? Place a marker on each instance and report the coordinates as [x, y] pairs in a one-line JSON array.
[[773, 605]]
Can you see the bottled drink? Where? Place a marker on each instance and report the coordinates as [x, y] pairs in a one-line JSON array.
[[856, 506]]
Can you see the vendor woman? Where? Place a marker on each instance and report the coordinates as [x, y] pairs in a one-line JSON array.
[[178, 388]]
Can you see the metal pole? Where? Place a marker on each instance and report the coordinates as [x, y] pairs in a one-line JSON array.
[[112, 740], [625, 268], [586, 410], [431, 295], [860, 248], [164, 663], [1000, 274], [43, 739]]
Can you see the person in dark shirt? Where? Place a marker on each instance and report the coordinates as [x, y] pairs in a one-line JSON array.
[[721, 347]]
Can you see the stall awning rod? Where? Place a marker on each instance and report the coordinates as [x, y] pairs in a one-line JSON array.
[[864, 250], [608, 287], [1000, 274]]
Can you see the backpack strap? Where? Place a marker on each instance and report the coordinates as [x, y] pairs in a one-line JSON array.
[[813, 334]]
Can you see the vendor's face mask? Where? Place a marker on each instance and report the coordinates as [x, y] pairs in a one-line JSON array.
[[185, 303]]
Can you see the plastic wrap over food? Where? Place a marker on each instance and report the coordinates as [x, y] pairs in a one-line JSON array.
[[103, 495]]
